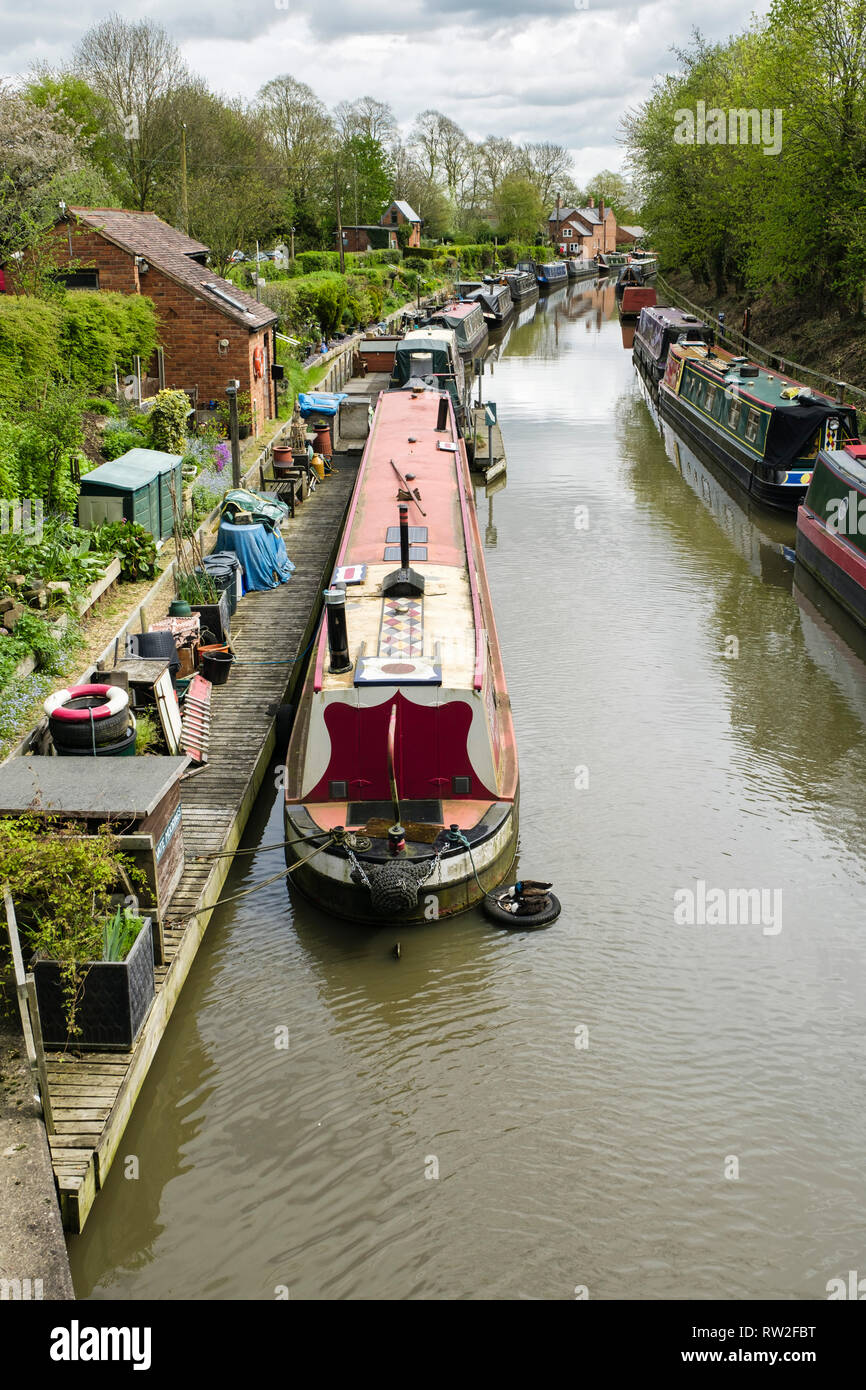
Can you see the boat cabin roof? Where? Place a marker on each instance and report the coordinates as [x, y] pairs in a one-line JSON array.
[[767, 386], [850, 461], [404, 437], [674, 318]]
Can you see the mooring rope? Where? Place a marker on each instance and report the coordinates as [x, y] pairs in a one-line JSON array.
[[284, 873]]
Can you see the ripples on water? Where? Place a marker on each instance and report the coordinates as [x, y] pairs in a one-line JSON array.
[[558, 1167]]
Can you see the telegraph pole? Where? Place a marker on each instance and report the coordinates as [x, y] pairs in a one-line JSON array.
[[339, 222], [184, 192]]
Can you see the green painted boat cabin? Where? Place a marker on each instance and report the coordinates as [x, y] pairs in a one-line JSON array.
[[764, 428]]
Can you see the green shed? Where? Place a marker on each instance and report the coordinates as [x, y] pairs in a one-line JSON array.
[[135, 487]]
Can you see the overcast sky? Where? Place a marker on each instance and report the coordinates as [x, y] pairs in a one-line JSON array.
[[562, 70]]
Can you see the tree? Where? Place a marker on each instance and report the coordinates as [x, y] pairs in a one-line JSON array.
[[37, 145], [518, 209], [547, 166], [365, 179], [368, 118], [136, 68], [304, 138], [616, 192]]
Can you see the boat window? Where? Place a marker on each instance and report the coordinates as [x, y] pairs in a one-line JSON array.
[[711, 398], [752, 421], [734, 410]]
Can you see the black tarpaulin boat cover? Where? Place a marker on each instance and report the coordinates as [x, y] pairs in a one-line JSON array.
[[793, 428]]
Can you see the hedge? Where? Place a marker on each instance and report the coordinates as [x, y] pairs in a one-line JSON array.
[[79, 336]]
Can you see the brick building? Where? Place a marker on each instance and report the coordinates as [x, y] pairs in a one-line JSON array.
[[397, 214], [369, 238], [210, 331], [583, 231]]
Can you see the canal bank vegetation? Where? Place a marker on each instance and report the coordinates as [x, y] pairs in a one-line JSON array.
[[750, 164]]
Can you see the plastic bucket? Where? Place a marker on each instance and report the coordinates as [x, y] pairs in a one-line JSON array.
[[215, 667]]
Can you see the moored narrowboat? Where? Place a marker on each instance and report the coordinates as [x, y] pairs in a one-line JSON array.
[[551, 275], [634, 299], [522, 284], [831, 526], [467, 320], [494, 296], [658, 326], [763, 428], [581, 268], [430, 355], [401, 772]]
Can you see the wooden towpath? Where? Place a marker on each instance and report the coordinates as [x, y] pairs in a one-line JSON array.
[[92, 1095]]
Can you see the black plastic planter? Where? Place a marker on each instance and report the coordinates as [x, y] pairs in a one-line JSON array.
[[112, 1004], [215, 617]]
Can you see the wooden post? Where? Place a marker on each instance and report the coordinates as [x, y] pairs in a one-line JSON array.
[[232, 393], [160, 367], [26, 990]]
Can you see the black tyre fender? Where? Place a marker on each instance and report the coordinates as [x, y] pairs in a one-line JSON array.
[[522, 921], [77, 733], [104, 749]]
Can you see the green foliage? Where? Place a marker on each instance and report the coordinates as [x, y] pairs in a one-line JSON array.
[[168, 417], [31, 637], [120, 930], [99, 331], [101, 405], [29, 357], [117, 442], [134, 546], [148, 735], [61, 882]]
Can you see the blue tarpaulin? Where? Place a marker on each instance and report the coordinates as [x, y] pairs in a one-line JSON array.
[[319, 402], [261, 553]]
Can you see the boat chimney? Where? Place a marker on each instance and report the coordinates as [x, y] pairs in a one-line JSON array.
[[404, 582], [338, 635], [442, 417], [404, 536]]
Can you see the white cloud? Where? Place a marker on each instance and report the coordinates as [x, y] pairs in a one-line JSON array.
[[528, 69]]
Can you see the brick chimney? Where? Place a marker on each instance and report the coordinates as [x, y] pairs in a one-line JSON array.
[[601, 219], [591, 201]]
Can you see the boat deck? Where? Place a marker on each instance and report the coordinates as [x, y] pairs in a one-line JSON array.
[[93, 1094]]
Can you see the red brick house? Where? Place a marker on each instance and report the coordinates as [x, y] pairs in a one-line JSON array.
[[366, 238], [397, 214], [210, 331], [583, 231]]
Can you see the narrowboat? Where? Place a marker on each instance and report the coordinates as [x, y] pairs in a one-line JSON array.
[[467, 321], [494, 296], [551, 275], [634, 299], [402, 792], [630, 275], [430, 355], [764, 429], [831, 527], [581, 268], [658, 326], [522, 285]]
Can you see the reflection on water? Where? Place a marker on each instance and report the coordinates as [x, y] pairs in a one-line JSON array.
[[681, 715]]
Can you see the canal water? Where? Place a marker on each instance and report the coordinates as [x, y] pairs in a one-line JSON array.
[[642, 1101]]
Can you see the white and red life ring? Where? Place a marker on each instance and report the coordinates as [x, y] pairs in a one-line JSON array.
[[115, 700], [258, 361]]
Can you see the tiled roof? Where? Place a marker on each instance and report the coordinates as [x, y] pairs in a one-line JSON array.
[[564, 214], [145, 234]]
